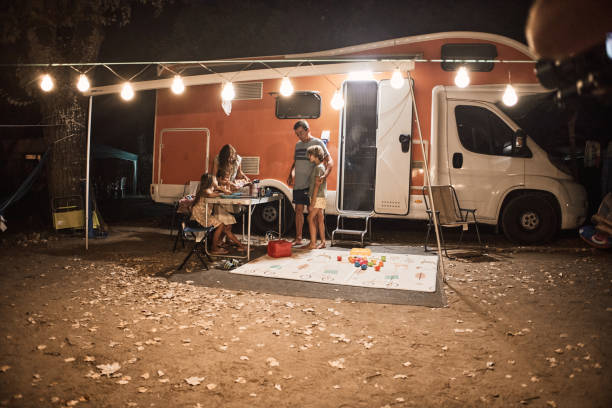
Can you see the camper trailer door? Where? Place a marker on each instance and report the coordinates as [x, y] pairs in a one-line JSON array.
[[393, 149]]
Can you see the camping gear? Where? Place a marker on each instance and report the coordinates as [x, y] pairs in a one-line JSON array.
[[279, 248]]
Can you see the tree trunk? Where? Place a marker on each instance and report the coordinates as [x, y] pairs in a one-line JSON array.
[[67, 140]]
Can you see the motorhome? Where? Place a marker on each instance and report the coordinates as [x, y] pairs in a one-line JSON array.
[[380, 137]]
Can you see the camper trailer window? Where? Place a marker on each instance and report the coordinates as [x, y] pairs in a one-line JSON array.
[[300, 105], [482, 131]]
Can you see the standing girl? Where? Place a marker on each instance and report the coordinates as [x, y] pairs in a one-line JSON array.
[[316, 193]]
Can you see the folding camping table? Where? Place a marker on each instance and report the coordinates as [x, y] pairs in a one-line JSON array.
[[250, 202]]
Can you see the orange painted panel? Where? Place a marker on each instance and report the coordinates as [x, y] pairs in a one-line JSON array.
[[254, 129], [191, 161]]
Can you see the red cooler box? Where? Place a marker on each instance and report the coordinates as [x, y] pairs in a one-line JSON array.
[[279, 248]]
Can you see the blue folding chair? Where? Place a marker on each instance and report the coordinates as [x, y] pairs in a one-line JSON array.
[[199, 236]]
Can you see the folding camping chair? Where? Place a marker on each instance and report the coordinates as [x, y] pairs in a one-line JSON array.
[[449, 214], [199, 236]]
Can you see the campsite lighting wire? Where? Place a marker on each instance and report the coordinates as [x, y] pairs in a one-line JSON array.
[[259, 60], [286, 88]]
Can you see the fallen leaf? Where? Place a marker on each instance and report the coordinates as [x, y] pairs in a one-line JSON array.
[[211, 386], [194, 380], [337, 363], [108, 369], [272, 362]]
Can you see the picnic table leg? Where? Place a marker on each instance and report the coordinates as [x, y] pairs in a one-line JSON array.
[[249, 235], [280, 204]]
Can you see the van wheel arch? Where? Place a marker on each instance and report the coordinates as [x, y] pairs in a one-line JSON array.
[[265, 216], [530, 216]]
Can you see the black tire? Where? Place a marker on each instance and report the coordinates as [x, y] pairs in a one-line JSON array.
[[265, 216], [530, 219]]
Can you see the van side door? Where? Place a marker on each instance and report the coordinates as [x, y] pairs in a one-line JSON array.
[[480, 161]]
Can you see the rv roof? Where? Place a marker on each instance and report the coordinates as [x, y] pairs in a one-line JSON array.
[[335, 61]]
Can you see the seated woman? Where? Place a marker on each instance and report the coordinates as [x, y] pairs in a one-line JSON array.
[[227, 167], [222, 220]]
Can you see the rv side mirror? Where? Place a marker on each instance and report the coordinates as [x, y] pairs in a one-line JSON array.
[[519, 144]]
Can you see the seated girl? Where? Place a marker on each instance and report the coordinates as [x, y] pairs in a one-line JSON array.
[[222, 220]]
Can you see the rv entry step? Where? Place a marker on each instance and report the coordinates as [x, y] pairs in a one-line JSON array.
[[361, 233]]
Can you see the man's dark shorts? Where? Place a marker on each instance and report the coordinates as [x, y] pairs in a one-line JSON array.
[[301, 197]]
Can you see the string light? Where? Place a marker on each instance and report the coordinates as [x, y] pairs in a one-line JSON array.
[[228, 93], [510, 98], [83, 83], [462, 79], [286, 88], [127, 92], [46, 83], [178, 87], [337, 101], [397, 79]]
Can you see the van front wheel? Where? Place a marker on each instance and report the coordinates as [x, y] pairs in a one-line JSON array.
[[530, 219]]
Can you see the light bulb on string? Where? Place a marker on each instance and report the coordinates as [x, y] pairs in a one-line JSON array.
[[46, 83], [462, 79], [178, 87], [83, 83], [228, 93], [510, 97], [397, 79], [286, 88], [127, 92], [337, 101]]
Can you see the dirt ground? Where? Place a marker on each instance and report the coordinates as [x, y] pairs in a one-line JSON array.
[[523, 327]]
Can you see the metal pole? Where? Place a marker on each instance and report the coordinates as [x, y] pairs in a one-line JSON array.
[[87, 175], [427, 179]]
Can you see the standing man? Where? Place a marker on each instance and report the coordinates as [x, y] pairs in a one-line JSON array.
[[299, 175]]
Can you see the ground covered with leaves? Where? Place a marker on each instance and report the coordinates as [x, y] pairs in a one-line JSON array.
[[106, 328]]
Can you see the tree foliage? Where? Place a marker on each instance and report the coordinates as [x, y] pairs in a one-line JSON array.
[[60, 31]]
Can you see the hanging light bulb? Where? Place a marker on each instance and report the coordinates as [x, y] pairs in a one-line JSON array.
[[462, 79], [228, 93], [397, 79], [286, 88], [46, 83], [127, 92], [510, 97], [178, 87], [83, 84], [337, 101]]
